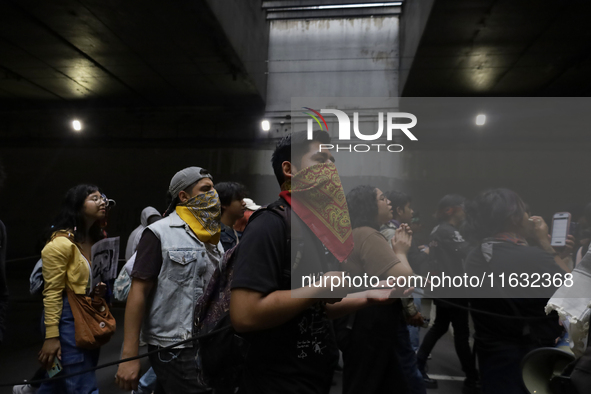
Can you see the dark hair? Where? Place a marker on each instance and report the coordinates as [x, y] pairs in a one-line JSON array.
[[398, 199], [230, 191], [363, 206], [448, 201], [71, 217], [292, 147], [492, 212]]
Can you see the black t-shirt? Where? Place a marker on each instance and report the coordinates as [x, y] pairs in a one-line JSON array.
[[447, 251], [511, 258], [300, 355], [148, 261], [448, 248]]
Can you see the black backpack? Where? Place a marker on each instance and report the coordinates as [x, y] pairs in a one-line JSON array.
[[221, 352]]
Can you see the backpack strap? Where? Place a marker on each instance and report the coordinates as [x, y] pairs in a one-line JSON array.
[[279, 208], [70, 236]]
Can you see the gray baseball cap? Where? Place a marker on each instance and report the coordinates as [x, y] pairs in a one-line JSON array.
[[184, 178]]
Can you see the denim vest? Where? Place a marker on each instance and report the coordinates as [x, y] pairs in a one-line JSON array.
[[187, 266]]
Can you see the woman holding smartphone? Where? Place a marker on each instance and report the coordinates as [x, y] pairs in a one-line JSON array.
[[67, 265]]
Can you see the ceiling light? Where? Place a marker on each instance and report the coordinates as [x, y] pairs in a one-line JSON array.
[[266, 126], [480, 120], [76, 125]]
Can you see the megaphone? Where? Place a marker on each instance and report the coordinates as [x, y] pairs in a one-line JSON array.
[[542, 371]]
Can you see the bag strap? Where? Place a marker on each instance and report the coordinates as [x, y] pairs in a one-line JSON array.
[[70, 237], [279, 208]]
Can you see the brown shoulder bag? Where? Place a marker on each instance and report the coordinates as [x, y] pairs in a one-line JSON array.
[[94, 325]]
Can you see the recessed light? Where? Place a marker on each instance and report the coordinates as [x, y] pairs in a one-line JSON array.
[[76, 125], [480, 120], [265, 125]]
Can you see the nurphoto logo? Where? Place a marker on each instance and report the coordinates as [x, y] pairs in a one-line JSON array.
[[345, 129]]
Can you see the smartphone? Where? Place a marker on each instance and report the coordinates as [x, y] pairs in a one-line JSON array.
[[56, 368], [560, 228]]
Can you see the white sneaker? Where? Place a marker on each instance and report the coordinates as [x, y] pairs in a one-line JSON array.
[[24, 389]]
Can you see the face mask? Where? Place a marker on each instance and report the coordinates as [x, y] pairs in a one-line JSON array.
[[202, 213], [316, 195]]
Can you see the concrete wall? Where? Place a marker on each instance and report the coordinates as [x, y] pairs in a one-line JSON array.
[[135, 177], [245, 25], [412, 25], [352, 57]]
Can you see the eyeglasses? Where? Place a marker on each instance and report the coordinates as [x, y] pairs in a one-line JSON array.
[[99, 199]]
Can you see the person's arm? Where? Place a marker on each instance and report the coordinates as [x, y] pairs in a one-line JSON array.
[[128, 373], [146, 268], [546, 247], [566, 254], [251, 310], [258, 301], [55, 256], [400, 246], [346, 306], [377, 254], [388, 232], [356, 301], [541, 234], [254, 311]]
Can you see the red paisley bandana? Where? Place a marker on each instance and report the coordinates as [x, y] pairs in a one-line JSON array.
[[316, 195]]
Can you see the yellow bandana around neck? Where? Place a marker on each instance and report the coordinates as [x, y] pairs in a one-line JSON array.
[[202, 214]]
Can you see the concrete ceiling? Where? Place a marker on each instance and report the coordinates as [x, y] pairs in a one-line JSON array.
[[183, 69], [109, 53], [503, 48]]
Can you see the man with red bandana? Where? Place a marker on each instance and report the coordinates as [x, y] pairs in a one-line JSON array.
[[292, 345]]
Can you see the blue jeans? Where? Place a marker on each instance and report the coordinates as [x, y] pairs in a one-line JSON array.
[[73, 360], [413, 331], [408, 361], [177, 371], [147, 383]]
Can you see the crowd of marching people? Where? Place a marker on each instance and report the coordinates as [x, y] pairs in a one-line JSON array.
[[218, 266]]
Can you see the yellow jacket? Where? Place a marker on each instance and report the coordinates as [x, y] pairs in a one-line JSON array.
[[63, 265]]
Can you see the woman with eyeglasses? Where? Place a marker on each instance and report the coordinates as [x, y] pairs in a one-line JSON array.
[[66, 264]]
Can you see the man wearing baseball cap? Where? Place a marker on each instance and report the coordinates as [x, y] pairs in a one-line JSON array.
[[176, 257]]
